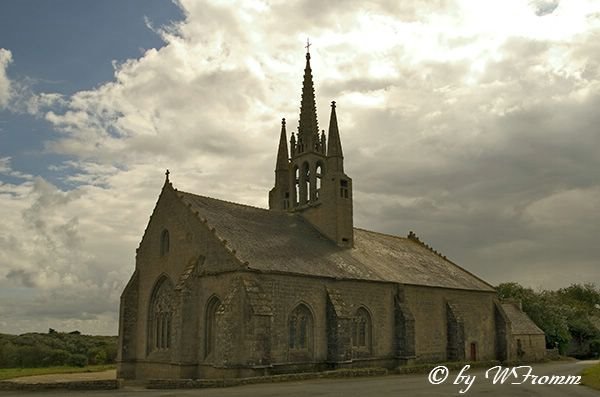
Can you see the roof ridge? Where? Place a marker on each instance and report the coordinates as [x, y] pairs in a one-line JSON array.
[[383, 234], [413, 237], [225, 201]]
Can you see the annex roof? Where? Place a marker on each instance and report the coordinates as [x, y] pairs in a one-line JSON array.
[[276, 241], [521, 323]]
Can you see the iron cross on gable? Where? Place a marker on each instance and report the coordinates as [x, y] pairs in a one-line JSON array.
[[308, 46]]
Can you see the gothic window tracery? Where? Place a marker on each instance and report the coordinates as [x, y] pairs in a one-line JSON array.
[[161, 315], [300, 328], [361, 333]]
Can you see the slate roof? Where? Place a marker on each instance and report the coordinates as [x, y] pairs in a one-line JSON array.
[[275, 241], [521, 323]]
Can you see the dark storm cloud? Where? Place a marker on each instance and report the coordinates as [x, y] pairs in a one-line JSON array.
[[21, 277], [471, 178]]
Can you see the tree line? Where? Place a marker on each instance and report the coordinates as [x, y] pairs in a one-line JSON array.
[[55, 349]]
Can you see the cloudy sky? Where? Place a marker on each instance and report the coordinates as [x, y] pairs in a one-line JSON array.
[[475, 124]]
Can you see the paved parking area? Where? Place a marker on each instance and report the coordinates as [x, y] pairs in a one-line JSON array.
[[393, 385]]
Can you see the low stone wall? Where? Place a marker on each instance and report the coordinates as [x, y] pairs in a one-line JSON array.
[[552, 354], [106, 384], [206, 383], [452, 365]]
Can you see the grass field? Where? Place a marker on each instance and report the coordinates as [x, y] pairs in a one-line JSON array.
[[591, 377], [9, 373]]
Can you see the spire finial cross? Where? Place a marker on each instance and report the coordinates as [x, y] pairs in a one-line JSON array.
[[307, 46], [167, 173]]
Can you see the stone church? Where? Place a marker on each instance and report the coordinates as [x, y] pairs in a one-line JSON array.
[[222, 289]]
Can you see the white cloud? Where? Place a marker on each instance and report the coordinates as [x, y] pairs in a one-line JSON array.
[[5, 89], [19, 96], [6, 169]]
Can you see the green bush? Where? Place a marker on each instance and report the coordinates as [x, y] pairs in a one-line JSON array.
[[78, 360], [9, 355], [97, 355], [58, 357]]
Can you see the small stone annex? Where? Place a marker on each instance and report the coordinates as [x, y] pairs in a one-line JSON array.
[[228, 290], [527, 341]]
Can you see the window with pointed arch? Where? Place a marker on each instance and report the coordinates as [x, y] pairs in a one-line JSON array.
[[296, 186], [164, 242], [210, 326], [361, 333], [305, 184], [160, 316], [318, 175], [300, 329]]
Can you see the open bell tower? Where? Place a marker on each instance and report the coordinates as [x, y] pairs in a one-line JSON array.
[[310, 178]]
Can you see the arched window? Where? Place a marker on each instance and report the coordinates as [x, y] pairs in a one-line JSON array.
[[296, 186], [318, 174], [164, 242], [300, 329], [305, 184], [361, 335], [210, 328], [160, 315], [286, 201], [343, 188]]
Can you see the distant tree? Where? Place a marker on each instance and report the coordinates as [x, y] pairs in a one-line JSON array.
[[51, 331], [564, 315], [585, 296]]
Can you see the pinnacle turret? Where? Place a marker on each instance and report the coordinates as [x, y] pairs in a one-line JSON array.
[[282, 152], [335, 156]]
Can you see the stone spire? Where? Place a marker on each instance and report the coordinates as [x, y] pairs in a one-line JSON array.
[[308, 127], [335, 156], [282, 152], [279, 195]]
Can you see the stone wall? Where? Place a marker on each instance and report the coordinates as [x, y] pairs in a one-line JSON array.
[[532, 347], [105, 384], [192, 243], [128, 317], [429, 307]]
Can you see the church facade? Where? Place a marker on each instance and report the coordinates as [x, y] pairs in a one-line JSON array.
[[227, 290]]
